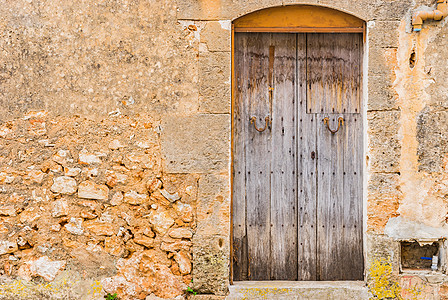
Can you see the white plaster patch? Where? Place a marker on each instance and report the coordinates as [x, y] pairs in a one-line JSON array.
[[226, 24], [402, 229]]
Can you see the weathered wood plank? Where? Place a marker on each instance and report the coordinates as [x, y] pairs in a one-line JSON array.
[[306, 173], [330, 199], [240, 115], [258, 157], [283, 161], [352, 235], [334, 73]]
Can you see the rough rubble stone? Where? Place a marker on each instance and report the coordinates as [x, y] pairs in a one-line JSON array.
[[161, 220], [100, 228], [72, 172], [117, 198], [180, 233], [60, 208], [135, 198], [7, 247], [8, 210], [64, 185], [90, 190], [47, 268], [75, 226], [183, 260], [87, 158], [170, 197]]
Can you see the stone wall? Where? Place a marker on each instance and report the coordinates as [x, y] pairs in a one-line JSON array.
[[86, 201], [115, 145]]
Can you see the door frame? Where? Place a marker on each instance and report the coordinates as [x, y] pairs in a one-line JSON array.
[[329, 21]]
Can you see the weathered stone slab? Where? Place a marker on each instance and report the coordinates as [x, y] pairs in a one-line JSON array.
[[217, 35], [383, 34], [196, 143], [382, 95], [214, 82], [210, 264], [384, 141]]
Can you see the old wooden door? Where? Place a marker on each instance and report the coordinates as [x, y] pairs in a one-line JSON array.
[[297, 168]]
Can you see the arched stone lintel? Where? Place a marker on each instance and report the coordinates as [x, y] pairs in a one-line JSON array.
[[356, 14], [302, 17]]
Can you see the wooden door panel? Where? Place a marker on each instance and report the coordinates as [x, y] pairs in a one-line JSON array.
[[334, 87], [334, 73]]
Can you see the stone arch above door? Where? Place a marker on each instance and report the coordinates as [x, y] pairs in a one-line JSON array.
[[298, 18]]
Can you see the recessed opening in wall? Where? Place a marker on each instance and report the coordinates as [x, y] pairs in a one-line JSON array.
[[416, 256], [412, 59]]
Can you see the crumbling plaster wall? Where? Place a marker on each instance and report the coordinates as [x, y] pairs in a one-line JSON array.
[[110, 162], [115, 143]]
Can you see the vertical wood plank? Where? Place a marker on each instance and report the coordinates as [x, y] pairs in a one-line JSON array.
[[306, 172], [352, 235], [240, 115], [330, 199], [283, 161], [258, 156]]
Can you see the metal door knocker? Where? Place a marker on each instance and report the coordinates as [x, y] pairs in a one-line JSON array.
[[340, 123], [267, 120]]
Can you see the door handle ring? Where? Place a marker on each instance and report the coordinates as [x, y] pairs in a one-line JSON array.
[[340, 123], [267, 120]]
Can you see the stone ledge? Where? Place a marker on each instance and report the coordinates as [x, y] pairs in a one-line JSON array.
[[287, 290]]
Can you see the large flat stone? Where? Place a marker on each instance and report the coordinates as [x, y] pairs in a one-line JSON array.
[[283, 290], [196, 143]]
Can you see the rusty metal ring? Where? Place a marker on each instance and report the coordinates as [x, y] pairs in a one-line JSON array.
[[267, 120], [340, 123]]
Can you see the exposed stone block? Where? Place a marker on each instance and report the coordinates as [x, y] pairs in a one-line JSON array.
[[223, 10], [90, 190], [381, 247], [432, 137], [217, 34], [383, 34], [213, 210], [392, 10], [382, 61], [64, 185], [384, 141], [382, 95], [214, 82], [384, 196], [211, 264]]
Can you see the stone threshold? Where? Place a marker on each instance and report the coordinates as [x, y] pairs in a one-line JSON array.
[[288, 290]]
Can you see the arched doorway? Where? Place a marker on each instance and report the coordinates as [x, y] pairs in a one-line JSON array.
[[297, 145]]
